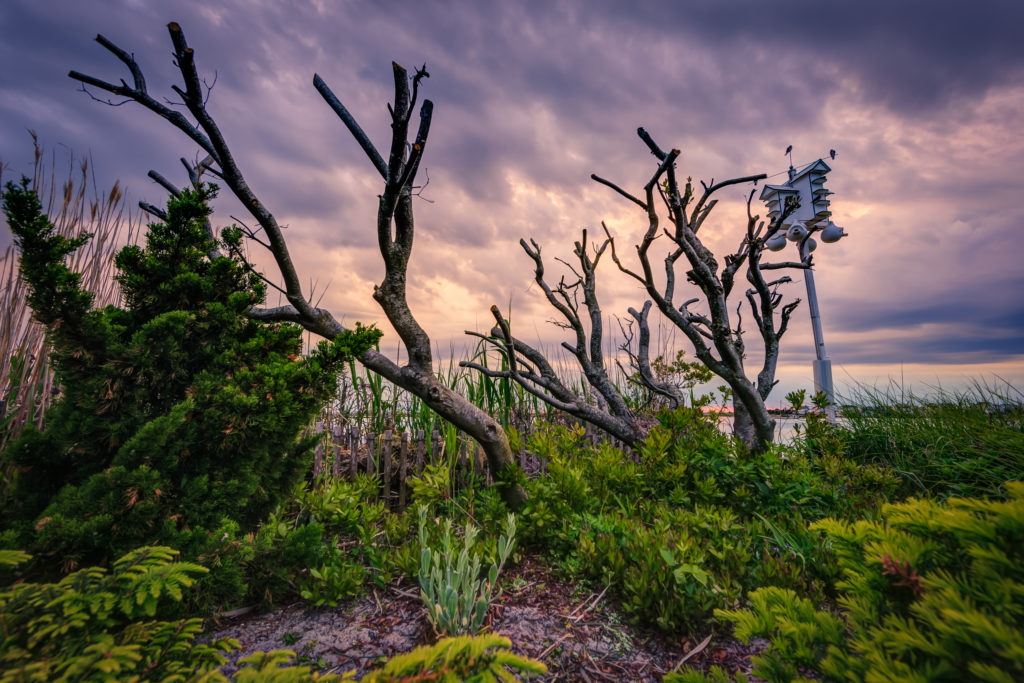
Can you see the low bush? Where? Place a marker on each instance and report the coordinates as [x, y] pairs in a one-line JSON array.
[[933, 591], [689, 523], [326, 544]]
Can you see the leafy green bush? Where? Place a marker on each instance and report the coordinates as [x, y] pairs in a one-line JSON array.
[[688, 523], [672, 572], [99, 625], [455, 596], [935, 591], [179, 415], [326, 543]]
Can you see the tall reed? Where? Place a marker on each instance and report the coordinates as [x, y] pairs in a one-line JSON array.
[[74, 205], [966, 443]]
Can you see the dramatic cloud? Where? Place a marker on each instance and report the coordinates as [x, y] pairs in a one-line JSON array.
[[922, 100]]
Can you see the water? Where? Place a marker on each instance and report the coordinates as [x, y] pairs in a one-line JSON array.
[[785, 427]]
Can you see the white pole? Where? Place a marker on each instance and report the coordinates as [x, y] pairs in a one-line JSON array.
[[822, 366]]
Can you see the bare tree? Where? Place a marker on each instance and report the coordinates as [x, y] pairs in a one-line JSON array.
[[717, 341], [395, 227], [528, 366], [663, 379]]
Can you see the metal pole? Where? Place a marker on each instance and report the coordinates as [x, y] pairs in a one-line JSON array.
[[822, 366]]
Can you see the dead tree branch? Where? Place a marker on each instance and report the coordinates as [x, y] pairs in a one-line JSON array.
[[394, 233], [717, 342], [612, 414]]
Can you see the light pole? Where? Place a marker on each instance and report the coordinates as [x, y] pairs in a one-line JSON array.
[[812, 215]]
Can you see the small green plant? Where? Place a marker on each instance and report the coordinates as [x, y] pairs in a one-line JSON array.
[[796, 399], [474, 659], [455, 596], [98, 625], [332, 583], [934, 591], [821, 401]]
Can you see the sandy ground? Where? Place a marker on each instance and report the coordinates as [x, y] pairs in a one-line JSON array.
[[576, 632]]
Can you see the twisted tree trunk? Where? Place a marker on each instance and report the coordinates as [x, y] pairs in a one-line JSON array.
[[395, 228]]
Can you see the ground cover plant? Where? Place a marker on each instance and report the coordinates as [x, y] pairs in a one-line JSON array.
[[932, 591]]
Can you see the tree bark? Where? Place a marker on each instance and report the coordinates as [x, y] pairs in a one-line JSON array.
[[394, 233], [757, 435], [717, 341]]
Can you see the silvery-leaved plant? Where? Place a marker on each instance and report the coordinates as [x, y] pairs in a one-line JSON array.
[[455, 595]]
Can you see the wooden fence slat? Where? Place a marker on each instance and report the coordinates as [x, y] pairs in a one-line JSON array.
[[421, 446], [386, 455], [352, 447], [403, 468], [318, 452], [336, 450]]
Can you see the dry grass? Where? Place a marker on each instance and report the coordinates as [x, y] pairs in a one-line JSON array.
[[74, 205]]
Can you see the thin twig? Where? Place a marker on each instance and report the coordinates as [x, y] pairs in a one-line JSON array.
[[553, 645], [692, 653]]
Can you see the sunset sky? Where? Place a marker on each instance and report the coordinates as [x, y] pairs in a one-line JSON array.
[[923, 102]]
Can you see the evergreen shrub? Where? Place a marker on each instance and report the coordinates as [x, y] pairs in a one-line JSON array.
[[97, 625], [932, 592], [180, 417], [100, 625]]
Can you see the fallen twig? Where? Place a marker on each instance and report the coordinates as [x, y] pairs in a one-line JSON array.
[[697, 650], [408, 594], [582, 614], [551, 647], [241, 611]]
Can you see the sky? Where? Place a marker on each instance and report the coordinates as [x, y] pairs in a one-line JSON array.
[[922, 102]]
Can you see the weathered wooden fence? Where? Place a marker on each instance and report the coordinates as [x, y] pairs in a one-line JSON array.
[[396, 456], [393, 457]]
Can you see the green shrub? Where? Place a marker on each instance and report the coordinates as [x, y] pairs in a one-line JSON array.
[[179, 414], [475, 659], [455, 596], [326, 543], [100, 625], [688, 524], [935, 591]]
